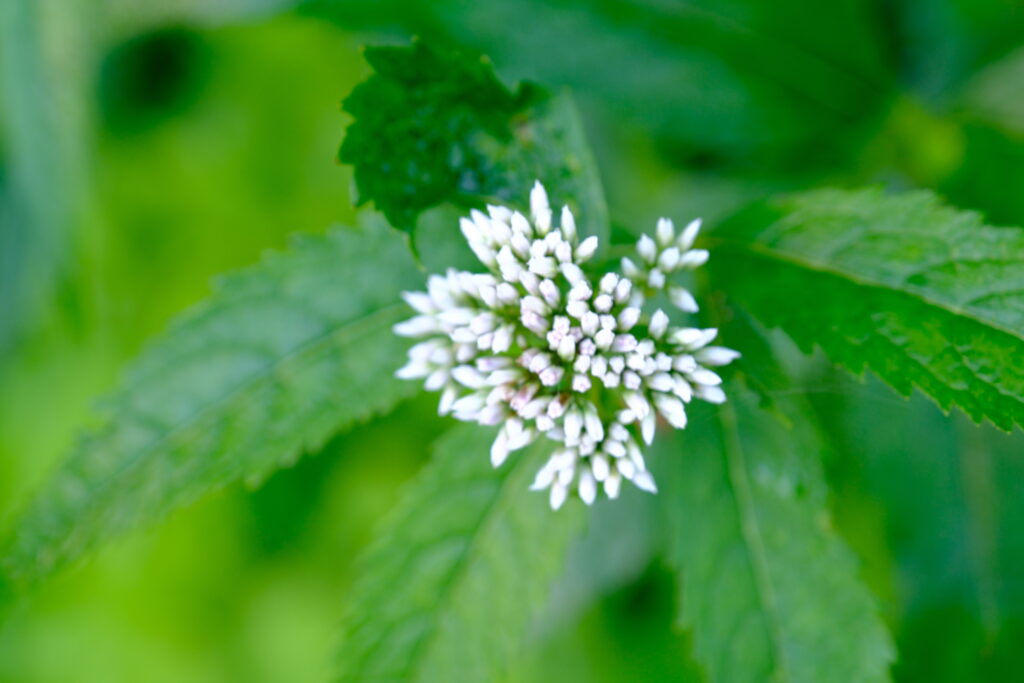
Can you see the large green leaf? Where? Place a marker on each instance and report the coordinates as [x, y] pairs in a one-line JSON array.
[[279, 358], [919, 293], [434, 126], [457, 571], [767, 587]]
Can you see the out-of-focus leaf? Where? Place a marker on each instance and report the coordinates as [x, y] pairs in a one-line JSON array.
[[994, 95], [279, 358], [943, 42], [936, 504], [766, 585], [42, 59], [921, 294], [716, 80], [122, 17], [434, 126], [458, 570], [618, 546], [990, 110]]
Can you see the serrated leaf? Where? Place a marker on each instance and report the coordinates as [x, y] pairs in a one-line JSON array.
[[279, 358], [919, 293], [457, 571], [434, 126], [766, 585]]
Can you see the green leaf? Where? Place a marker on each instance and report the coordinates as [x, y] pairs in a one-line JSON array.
[[948, 560], [43, 153], [434, 126], [458, 570], [282, 356], [767, 587], [919, 293], [716, 81]]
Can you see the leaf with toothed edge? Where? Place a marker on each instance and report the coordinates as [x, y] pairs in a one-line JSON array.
[[923, 295], [434, 126], [278, 359], [458, 570], [758, 560]]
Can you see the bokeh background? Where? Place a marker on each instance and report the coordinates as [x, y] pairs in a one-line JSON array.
[[147, 146]]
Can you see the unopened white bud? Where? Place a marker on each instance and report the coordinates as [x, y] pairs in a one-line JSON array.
[[586, 249], [549, 290], [581, 292], [608, 283], [567, 348], [658, 325], [682, 299], [630, 269], [624, 343], [568, 224], [574, 275], [673, 410], [417, 327], [544, 266], [623, 290], [581, 383], [682, 389], [656, 279], [468, 376], [520, 244], [717, 355], [573, 426], [612, 485], [694, 258], [705, 377], [577, 308], [693, 338], [559, 492], [647, 249], [587, 487], [647, 427], [499, 449], [689, 235], [628, 318], [709, 394], [539, 208], [593, 424], [616, 449], [665, 232], [645, 482], [669, 259], [661, 381], [420, 301]]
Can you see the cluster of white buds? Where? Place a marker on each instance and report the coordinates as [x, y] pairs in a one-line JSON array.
[[540, 348]]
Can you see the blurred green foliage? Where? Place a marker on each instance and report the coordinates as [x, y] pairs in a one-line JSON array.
[[170, 142]]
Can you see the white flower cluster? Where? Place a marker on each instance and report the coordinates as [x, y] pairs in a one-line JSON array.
[[537, 346]]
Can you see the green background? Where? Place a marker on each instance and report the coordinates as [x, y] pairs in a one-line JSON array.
[[147, 147]]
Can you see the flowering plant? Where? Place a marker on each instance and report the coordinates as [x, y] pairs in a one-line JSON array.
[[537, 346], [562, 341]]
